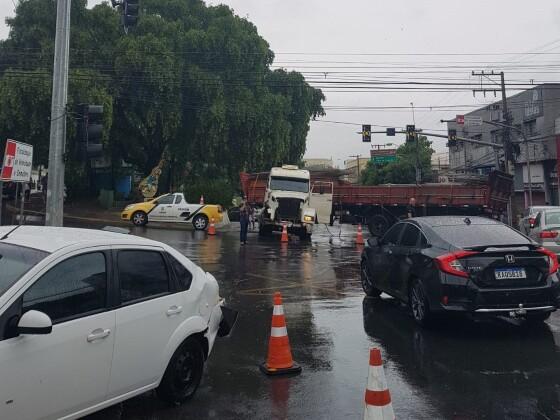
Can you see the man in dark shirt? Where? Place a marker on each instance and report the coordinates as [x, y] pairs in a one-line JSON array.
[[411, 208]]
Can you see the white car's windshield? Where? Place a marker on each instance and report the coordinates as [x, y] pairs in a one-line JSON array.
[[15, 261], [289, 184]]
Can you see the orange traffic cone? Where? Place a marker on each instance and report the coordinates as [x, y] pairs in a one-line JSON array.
[[359, 236], [378, 398], [279, 360], [202, 199], [284, 237], [212, 227]]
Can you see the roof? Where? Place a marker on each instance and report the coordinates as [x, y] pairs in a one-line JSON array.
[[52, 239], [290, 173], [433, 221]]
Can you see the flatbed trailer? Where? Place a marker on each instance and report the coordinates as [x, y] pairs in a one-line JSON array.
[[381, 206]]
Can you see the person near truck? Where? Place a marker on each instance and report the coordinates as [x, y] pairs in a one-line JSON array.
[[244, 215], [411, 208]]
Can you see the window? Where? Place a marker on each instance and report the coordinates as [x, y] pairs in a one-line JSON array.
[[142, 274], [392, 235], [530, 128], [74, 287], [178, 199], [289, 184], [483, 234], [410, 236], [552, 218], [166, 199], [184, 276], [423, 241], [15, 261]]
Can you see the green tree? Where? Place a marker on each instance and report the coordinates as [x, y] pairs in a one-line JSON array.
[[403, 170], [191, 79]]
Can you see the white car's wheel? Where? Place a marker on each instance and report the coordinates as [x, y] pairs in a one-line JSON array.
[[183, 374], [200, 222], [139, 218]]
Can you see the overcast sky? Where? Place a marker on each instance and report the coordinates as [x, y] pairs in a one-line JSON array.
[[333, 28]]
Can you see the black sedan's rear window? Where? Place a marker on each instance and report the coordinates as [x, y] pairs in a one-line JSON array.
[[465, 236], [15, 261]]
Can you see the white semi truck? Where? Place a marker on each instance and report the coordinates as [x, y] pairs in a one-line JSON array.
[[287, 200]]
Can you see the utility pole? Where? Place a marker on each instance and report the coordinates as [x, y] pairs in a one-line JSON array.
[[55, 187], [358, 165], [417, 166], [508, 147]]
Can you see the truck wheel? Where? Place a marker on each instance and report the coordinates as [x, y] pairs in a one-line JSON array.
[[200, 222], [303, 235], [139, 218], [378, 225], [331, 220]]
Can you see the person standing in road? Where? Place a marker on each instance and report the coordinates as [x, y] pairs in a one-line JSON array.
[[244, 215], [411, 208]]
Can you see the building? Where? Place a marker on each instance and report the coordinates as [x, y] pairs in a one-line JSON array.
[[535, 112], [314, 163], [354, 169], [440, 168]]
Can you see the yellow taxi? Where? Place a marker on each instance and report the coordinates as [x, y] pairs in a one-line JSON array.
[[173, 208]]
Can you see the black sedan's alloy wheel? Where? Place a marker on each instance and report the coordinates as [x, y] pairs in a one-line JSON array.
[[419, 303], [367, 283]]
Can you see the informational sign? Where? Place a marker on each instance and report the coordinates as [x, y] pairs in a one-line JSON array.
[[383, 155], [460, 119], [18, 161]]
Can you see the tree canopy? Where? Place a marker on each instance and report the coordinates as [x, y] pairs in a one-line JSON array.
[[192, 79], [403, 170]]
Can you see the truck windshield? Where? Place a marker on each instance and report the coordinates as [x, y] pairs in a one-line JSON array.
[[289, 184], [15, 261]]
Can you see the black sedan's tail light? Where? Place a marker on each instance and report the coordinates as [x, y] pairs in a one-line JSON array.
[[552, 260], [451, 264]]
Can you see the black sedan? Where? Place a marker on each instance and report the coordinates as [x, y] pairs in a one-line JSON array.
[[457, 264]]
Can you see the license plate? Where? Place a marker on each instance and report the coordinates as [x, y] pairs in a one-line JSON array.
[[510, 273]]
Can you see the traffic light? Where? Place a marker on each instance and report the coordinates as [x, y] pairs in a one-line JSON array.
[[130, 9], [90, 131], [391, 132], [410, 133], [366, 133], [452, 137]]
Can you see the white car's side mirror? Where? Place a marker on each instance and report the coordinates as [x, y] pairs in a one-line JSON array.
[[34, 323]]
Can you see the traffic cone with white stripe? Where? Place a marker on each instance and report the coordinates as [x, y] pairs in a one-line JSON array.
[[360, 236], [212, 227], [279, 360], [378, 398], [284, 237]]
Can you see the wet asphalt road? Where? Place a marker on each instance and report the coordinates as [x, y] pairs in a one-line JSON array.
[[461, 370]]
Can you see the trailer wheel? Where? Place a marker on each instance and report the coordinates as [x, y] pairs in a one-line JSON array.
[[331, 220], [378, 225]]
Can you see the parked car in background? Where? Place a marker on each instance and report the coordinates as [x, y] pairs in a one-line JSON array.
[[457, 264], [173, 208], [529, 216], [91, 318], [546, 229]]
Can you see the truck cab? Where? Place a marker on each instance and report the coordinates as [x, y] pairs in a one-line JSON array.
[[287, 200]]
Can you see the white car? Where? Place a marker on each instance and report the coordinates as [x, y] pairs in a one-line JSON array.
[[90, 318]]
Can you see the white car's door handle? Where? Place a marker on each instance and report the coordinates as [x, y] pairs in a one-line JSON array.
[[174, 310], [98, 334]]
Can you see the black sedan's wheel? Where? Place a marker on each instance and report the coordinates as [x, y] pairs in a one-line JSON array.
[[200, 222], [419, 304], [367, 282], [139, 218], [183, 374]]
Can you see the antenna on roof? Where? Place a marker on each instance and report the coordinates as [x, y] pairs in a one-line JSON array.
[[8, 234]]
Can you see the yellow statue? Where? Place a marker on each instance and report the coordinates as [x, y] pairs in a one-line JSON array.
[[149, 185]]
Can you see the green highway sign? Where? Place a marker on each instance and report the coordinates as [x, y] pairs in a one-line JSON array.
[[384, 159]]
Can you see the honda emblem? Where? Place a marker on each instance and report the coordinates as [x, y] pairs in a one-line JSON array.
[[510, 259]]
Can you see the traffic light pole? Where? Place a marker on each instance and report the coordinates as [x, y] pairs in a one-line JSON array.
[[55, 187]]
